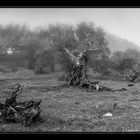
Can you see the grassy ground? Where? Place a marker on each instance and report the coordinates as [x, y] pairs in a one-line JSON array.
[[71, 109]]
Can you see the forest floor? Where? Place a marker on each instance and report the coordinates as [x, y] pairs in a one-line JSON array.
[[72, 109]]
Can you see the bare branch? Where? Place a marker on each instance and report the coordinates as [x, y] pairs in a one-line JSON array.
[[73, 58]]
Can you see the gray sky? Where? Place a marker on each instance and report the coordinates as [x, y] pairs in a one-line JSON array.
[[123, 22]]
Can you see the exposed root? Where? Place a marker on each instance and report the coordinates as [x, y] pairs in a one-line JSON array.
[[78, 77]]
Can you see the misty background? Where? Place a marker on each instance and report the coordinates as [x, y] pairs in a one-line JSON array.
[[31, 37], [120, 24]]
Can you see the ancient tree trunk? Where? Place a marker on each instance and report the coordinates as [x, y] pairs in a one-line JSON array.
[[77, 76]]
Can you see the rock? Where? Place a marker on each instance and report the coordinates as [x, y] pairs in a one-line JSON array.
[[108, 114], [97, 87], [97, 106]]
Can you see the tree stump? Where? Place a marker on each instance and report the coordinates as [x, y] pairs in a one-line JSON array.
[[22, 112]]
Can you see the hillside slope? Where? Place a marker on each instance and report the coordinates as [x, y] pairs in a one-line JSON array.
[[116, 43]]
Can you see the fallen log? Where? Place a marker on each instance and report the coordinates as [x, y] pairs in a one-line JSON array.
[[19, 112], [132, 76]]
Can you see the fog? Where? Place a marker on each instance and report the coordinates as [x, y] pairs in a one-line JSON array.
[[123, 22]]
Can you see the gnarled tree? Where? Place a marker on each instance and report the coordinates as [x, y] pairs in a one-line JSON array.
[[78, 74]]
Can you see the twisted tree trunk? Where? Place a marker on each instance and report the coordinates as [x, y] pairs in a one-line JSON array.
[[77, 76], [131, 75]]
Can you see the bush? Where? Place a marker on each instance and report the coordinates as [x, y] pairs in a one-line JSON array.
[[44, 61], [125, 63], [102, 66]]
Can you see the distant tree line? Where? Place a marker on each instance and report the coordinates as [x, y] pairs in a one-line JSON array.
[[43, 48]]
